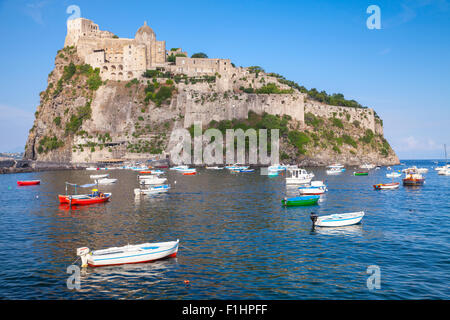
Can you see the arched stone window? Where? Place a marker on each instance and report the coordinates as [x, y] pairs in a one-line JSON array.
[[113, 67], [120, 67], [129, 74]]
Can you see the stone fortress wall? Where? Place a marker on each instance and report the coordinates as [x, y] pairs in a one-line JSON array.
[[117, 58], [125, 59]]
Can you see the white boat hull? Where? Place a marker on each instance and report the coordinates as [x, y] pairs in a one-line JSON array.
[[311, 191], [151, 180], [152, 190], [129, 254], [334, 171], [99, 176], [106, 181], [393, 175], [339, 220], [298, 180]]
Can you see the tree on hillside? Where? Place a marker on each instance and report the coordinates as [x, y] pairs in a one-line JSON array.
[[199, 55]]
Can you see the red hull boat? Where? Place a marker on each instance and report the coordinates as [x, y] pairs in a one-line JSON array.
[[83, 199], [28, 182], [189, 173]]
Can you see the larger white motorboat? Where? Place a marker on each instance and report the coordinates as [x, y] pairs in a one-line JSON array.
[[298, 176]]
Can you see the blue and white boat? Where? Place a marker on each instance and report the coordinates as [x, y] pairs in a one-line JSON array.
[[337, 220], [178, 168], [276, 167], [152, 190], [140, 253], [236, 167]]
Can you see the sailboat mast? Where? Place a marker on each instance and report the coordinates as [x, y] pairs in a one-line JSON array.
[[445, 149]]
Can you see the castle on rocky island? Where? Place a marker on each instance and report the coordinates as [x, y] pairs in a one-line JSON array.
[[125, 59]]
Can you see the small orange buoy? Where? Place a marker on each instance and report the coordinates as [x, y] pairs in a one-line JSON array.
[[186, 281]]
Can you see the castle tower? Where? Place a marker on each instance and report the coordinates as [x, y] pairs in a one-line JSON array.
[[146, 36]]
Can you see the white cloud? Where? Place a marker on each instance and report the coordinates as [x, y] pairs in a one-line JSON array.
[[417, 144], [34, 10]]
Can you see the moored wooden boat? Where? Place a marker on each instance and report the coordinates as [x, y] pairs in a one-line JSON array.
[[386, 186], [106, 181], [413, 178], [360, 173], [311, 191], [83, 199], [151, 179], [129, 254], [337, 220], [394, 175], [99, 176], [189, 173], [152, 190], [28, 182], [300, 201]]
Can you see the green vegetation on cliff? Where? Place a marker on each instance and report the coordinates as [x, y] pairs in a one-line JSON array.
[[76, 120], [335, 99], [47, 144], [320, 134]]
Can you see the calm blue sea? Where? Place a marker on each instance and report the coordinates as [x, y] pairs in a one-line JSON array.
[[237, 242]]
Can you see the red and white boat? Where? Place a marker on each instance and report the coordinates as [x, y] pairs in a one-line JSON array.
[[129, 254], [83, 199], [413, 178], [386, 186], [28, 182]]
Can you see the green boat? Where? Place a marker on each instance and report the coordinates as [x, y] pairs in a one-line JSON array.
[[300, 201], [360, 173]]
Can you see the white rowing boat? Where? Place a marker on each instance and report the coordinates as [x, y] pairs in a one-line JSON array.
[[106, 181], [151, 179], [393, 175], [127, 254], [337, 220], [99, 176], [152, 190]]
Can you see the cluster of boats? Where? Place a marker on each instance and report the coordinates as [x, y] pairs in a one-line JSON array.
[[152, 181]]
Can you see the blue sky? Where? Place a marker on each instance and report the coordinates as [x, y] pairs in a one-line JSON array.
[[401, 70]]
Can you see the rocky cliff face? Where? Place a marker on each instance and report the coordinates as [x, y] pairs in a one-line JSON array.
[[84, 119]]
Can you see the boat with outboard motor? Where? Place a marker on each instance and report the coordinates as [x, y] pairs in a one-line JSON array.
[[128, 254], [336, 220], [83, 199]]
